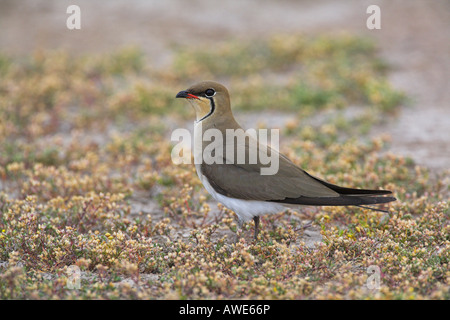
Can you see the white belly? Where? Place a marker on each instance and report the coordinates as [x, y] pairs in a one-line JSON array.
[[244, 209]]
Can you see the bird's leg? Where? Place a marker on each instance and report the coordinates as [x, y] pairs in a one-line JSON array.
[[256, 220]]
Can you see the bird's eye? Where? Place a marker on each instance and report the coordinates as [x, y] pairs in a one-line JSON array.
[[209, 93]]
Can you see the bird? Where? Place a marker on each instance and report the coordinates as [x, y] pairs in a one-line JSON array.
[[240, 186]]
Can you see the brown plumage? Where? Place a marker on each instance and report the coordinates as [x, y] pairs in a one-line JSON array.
[[242, 186]]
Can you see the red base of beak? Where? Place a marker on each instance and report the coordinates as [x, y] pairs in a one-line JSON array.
[[186, 95]]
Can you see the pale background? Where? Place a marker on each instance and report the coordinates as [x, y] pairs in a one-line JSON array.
[[415, 39]]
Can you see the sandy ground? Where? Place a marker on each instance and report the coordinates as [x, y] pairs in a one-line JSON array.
[[414, 39]]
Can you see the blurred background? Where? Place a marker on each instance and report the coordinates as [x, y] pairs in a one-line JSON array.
[[86, 175], [414, 40]]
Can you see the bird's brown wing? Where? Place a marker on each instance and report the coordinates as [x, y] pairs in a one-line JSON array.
[[290, 185], [244, 181]]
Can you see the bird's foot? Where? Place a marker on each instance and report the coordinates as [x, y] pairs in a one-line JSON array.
[[256, 220]]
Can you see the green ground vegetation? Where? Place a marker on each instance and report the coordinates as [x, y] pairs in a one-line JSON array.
[[86, 179]]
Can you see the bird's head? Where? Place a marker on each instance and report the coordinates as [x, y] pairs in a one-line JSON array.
[[209, 99]]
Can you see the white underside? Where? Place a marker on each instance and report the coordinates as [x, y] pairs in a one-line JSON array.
[[245, 209]]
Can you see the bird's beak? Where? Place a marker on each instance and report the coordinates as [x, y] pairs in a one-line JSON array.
[[186, 95]]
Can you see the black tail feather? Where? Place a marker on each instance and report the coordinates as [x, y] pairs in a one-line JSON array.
[[342, 200], [351, 191], [347, 197]]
